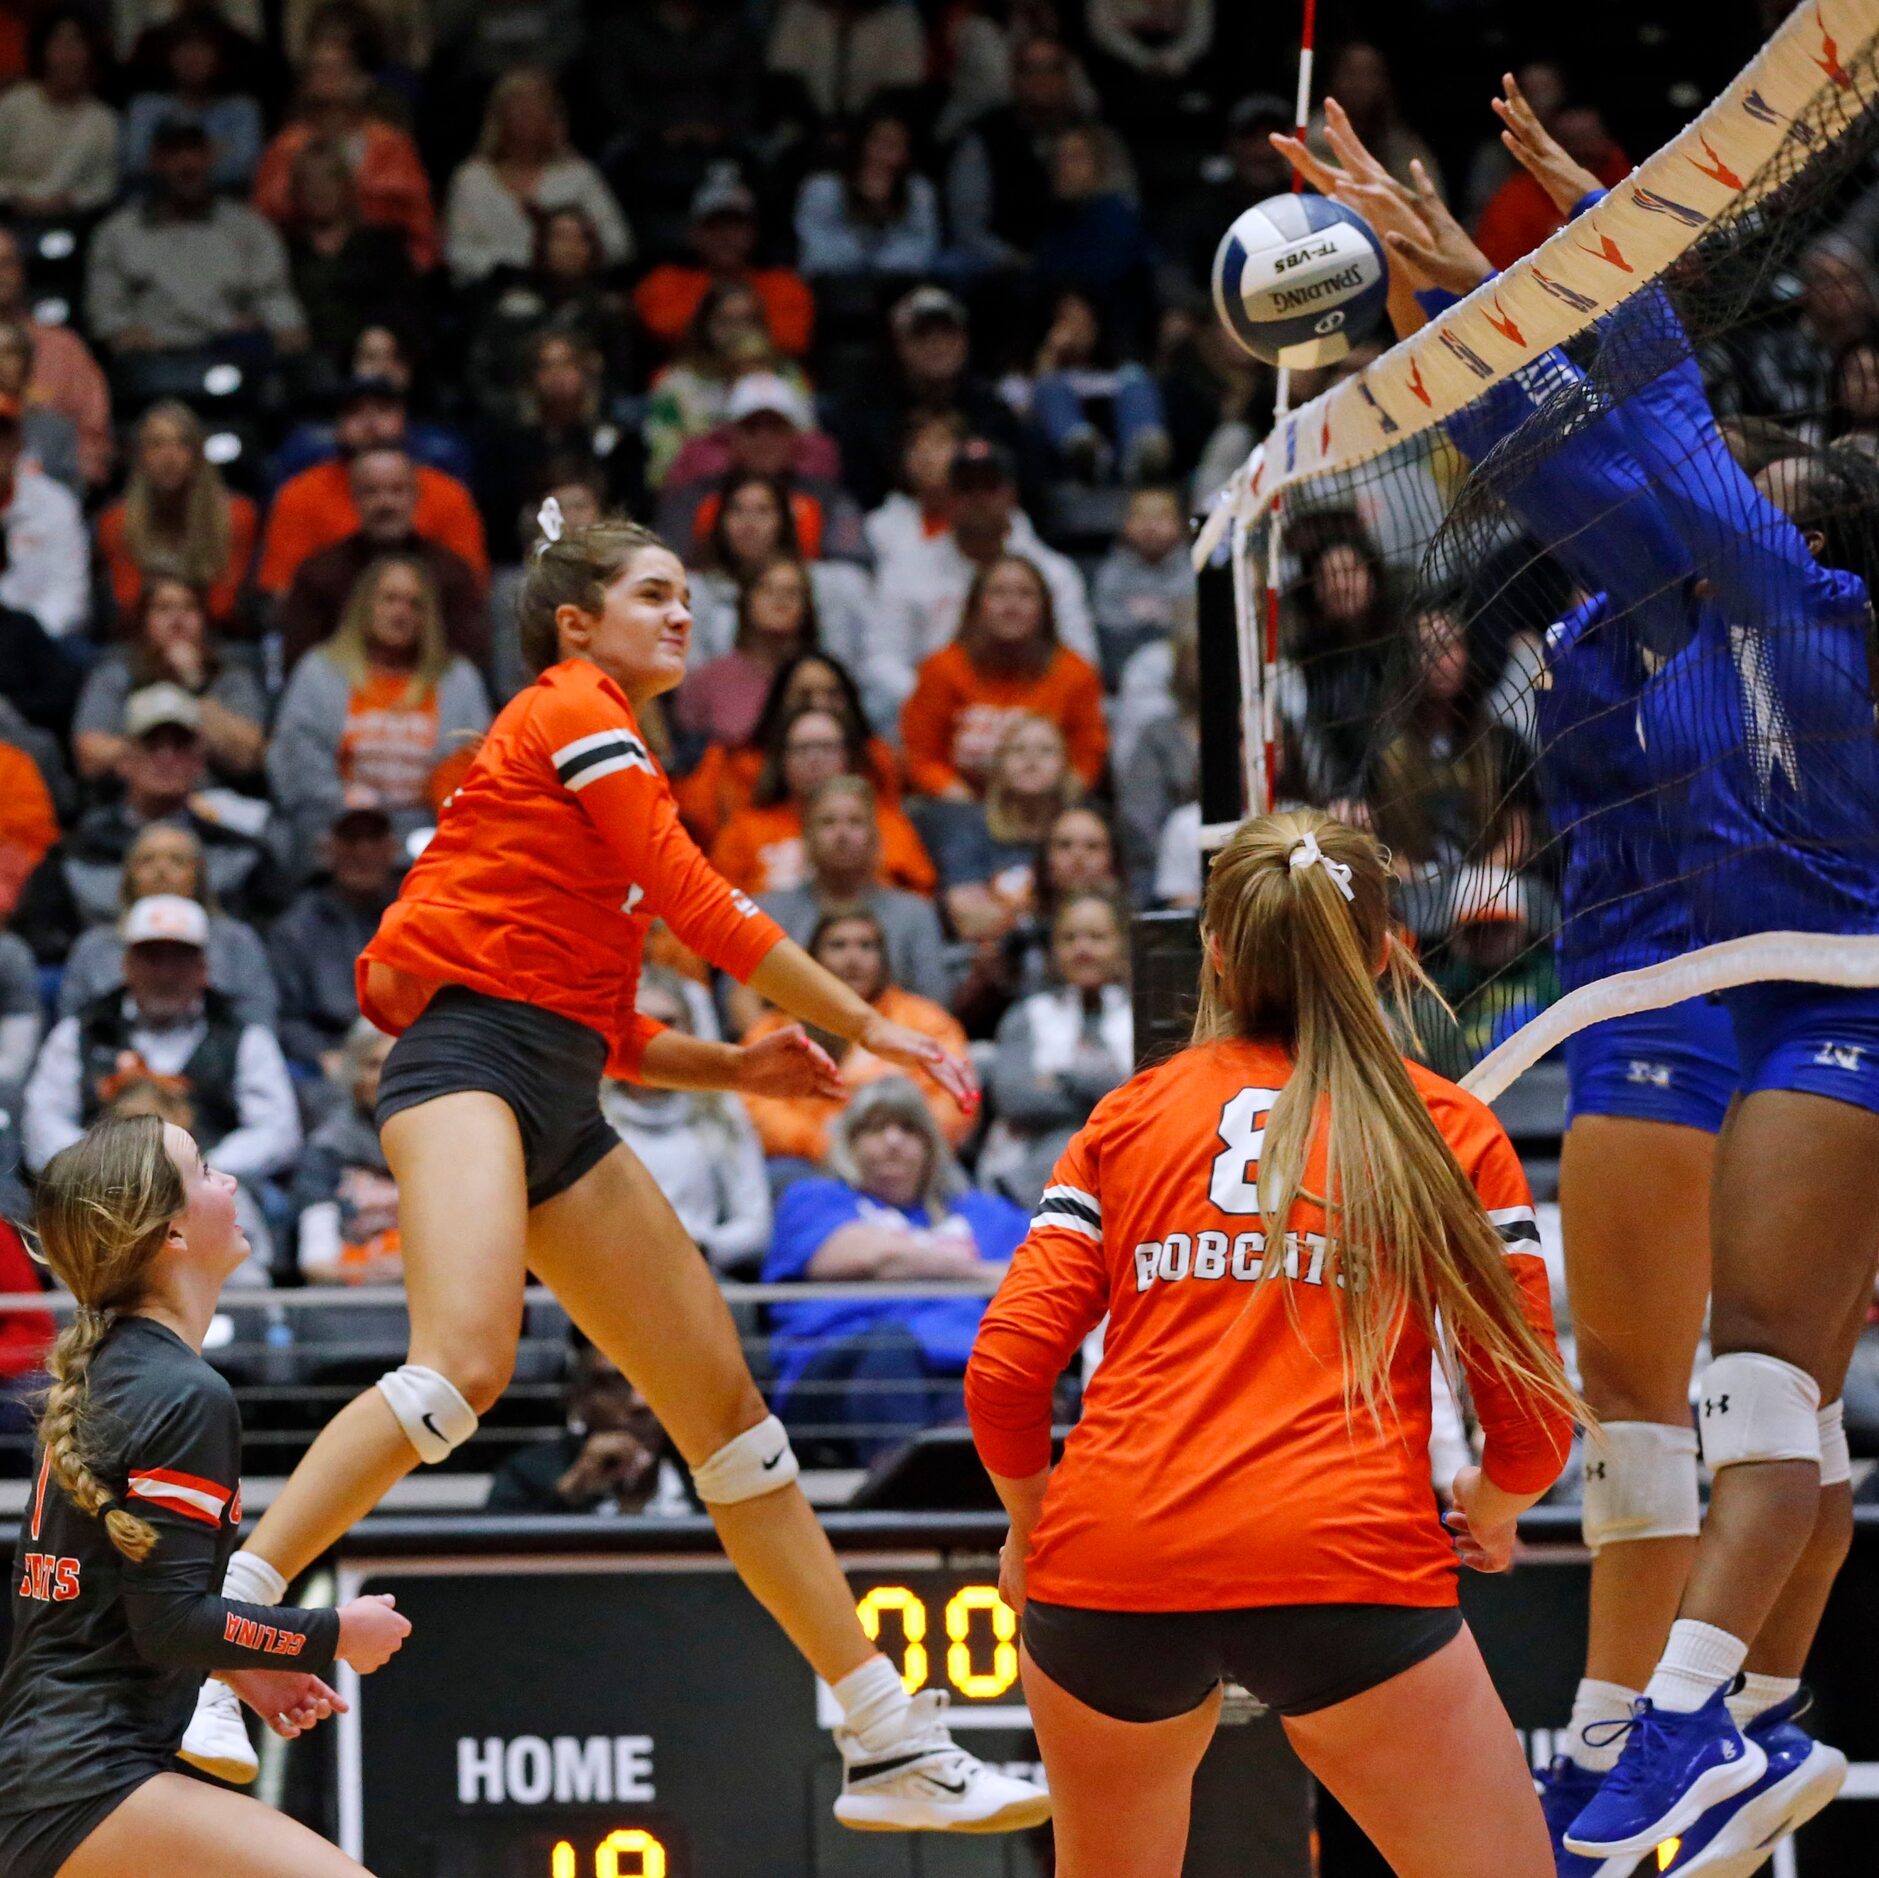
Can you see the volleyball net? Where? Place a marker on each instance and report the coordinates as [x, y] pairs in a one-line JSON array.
[[1546, 592]]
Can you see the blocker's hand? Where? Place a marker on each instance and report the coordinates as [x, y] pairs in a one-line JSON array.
[[289, 1700], [1538, 152], [788, 1063], [895, 1043], [1482, 1547], [1443, 255]]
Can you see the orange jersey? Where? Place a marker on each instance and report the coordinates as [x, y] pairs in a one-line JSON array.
[[1215, 1465], [550, 863], [951, 726], [725, 781]]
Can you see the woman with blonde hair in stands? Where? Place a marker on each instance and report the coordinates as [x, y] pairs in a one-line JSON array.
[[177, 516], [1281, 1223], [118, 1615], [382, 715]]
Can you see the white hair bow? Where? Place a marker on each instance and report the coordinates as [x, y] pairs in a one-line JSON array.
[[1306, 852], [551, 522]]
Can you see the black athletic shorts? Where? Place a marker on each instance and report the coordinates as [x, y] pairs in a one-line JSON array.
[[546, 1067], [36, 1843], [1147, 1666]]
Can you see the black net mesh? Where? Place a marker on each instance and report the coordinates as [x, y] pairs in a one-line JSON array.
[[1592, 651]]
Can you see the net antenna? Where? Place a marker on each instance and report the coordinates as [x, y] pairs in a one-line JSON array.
[[1723, 203]]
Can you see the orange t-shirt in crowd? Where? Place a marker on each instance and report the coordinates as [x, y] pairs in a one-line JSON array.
[[389, 181], [667, 303], [761, 851], [550, 863], [725, 781], [799, 1126], [315, 509], [389, 745], [127, 577], [28, 823], [951, 726], [1215, 1465]]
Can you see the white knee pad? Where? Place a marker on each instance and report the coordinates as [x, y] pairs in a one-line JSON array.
[[757, 1462], [1757, 1408], [1836, 1458], [433, 1415], [1640, 1483]]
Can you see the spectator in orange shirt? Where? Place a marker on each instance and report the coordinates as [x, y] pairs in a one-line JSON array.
[[725, 781], [28, 826], [853, 947], [66, 378], [760, 849], [1520, 215], [315, 509], [724, 240], [178, 516], [388, 173], [1005, 661]]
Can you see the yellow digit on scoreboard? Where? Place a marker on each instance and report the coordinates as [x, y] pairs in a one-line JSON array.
[[634, 1843], [912, 1614], [959, 1671]]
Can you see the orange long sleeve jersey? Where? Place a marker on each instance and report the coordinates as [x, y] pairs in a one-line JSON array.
[[951, 724], [1215, 1465], [550, 862]]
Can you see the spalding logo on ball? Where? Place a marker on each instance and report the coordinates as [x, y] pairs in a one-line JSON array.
[[1299, 280]]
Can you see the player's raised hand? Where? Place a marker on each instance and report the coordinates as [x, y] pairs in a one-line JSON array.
[[788, 1063], [895, 1043], [371, 1632], [1444, 255], [1538, 151]]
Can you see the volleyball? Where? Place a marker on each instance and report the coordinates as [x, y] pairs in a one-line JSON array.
[[1299, 280]]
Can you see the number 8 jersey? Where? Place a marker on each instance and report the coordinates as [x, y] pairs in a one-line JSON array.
[[1215, 1465]]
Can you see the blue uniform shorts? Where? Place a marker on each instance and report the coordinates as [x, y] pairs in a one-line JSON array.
[[1674, 1065], [1815, 1039]]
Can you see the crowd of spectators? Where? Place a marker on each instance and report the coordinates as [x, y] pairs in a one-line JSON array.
[[892, 317]]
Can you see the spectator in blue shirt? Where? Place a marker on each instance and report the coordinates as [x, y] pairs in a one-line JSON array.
[[856, 1375]]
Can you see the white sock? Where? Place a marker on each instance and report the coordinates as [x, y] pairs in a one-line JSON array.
[[1698, 1660], [873, 1701], [1598, 1702], [252, 1580], [1760, 1693]]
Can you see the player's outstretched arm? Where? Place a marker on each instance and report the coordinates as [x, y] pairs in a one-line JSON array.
[[1538, 152]]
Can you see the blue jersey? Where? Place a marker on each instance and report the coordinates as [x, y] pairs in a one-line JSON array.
[[1766, 716]]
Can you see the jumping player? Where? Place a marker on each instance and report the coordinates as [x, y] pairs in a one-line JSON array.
[[508, 965], [1647, 1094], [133, 1516], [1247, 1492]]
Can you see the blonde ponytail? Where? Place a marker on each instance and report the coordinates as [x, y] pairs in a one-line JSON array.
[[1297, 924], [105, 1207]]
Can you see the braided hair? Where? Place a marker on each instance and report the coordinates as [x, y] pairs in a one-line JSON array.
[[105, 1207]]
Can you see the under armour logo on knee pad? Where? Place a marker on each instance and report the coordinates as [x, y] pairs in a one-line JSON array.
[[1718, 1405]]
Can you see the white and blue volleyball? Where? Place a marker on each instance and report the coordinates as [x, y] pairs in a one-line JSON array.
[[1299, 280]]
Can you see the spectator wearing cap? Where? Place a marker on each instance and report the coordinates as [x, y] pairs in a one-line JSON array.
[[382, 712], [999, 185], [182, 271], [169, 1026], [923, 589], [165, 776], [315, 944], [876, 216], [385, 491], [1006, 660], [168, 642], [58, 142], [728, 338], [194, 93], [388, 174], [177, 517], [723, 237], [373, 406], [46, 561], [768, 430], [66, 377], [315, 508], [346, 271], [932, 375], [523, 168], [165, 859], [1246, 170]]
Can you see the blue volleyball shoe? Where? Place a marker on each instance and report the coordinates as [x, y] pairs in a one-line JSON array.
[[1565, 1790], [1736, 1838], [1674, 1768]]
